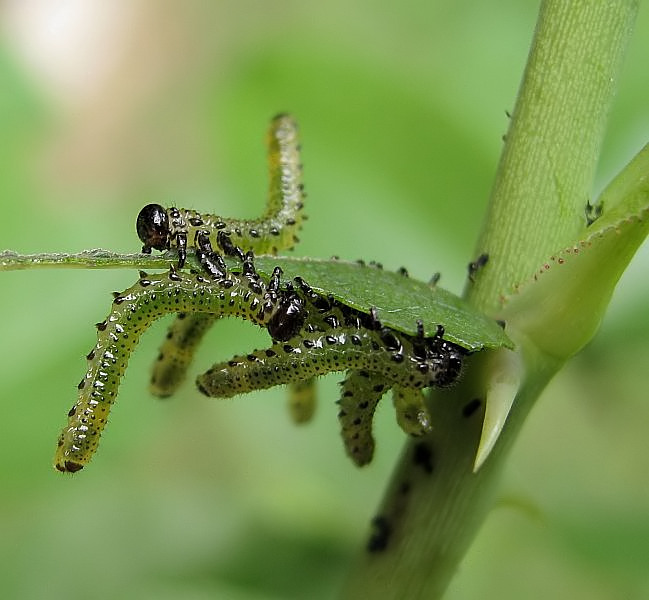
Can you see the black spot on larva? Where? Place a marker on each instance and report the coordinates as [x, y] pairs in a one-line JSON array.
[[331, 320], [380, 536], [72, 411], [434, 280], [471, 407], [101, 326], [501, 323], [422, 456], [391, 341], [402, 271]]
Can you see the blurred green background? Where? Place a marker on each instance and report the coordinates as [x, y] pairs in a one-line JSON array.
[[107, 106]]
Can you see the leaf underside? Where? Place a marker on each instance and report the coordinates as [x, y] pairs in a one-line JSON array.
[[399, 300]]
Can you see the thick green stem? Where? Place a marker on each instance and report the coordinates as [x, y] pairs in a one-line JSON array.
[[547, 166], [436, 503]]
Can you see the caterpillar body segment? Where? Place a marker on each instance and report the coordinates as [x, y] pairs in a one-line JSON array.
[[276, 230], [133, 311], [177, 351], [319, 353], [412, 413], [161, 229], [360, 394], [302, 400]]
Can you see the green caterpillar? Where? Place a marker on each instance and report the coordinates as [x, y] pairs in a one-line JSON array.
[[376, 360], [133, 311], [312, 334], [277, 229]]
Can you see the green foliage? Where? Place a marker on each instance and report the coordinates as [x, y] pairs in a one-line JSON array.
[[402, 111]]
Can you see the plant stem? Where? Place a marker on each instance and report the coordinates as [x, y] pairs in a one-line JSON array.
[[548, 163], [435, 502]]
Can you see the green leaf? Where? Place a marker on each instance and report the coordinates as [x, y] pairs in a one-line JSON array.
[[560, 309], [399, 300]]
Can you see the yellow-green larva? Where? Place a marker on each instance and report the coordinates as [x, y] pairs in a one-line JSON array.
[[314, 354], [302, 400], [133, 311], [177, 351], [277, 229], [176, 227], [412, 413], [312, 333], [360, 393], [376, 360]]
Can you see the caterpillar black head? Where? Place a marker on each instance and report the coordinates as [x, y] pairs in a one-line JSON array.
[[153, 228], [451, 363]]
